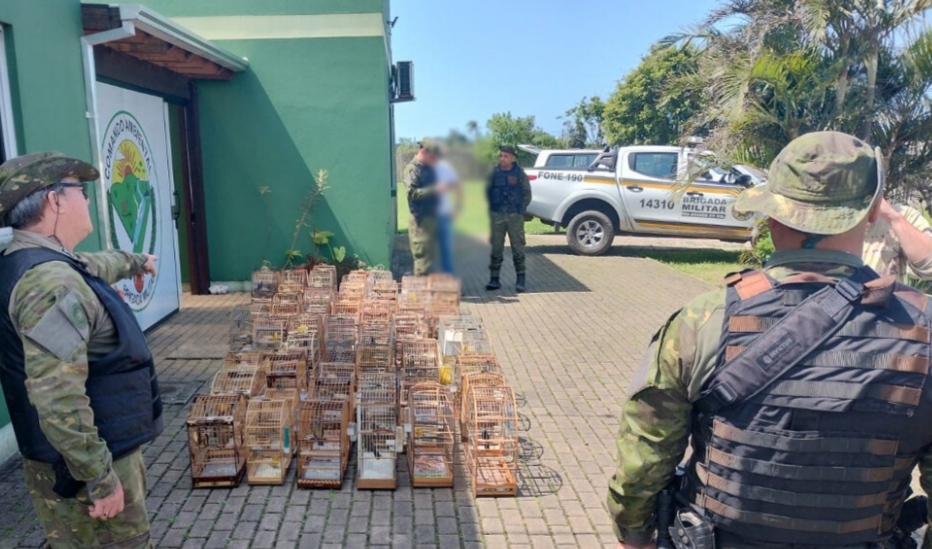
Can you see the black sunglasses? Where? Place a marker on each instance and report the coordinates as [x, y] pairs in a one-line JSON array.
[[82, 186]]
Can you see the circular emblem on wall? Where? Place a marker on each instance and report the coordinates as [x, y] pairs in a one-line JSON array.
[[130, 174]]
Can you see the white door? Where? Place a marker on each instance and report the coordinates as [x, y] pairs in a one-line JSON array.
[[136, 155], [647, 187]]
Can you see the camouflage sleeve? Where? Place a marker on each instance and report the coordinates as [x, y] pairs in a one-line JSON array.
[[51, 315], [113, 266], [526, 188], [921, 268], [412, 181]]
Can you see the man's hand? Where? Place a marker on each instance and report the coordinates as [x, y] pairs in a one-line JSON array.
[[887, 212], [149, 267], [623, 545], [110, 506]]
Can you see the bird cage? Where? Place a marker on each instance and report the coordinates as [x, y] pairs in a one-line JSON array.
[[385, 290], [289, 304], [376, 357], [431, 436], [376, 388], [473, 379], [420, 363], [323, 277], [456, 341], [245, 381], [317, 301], [268, 334], [491, 448], [216, 440], [375, 333], [379, 442], [270, 440], [354, 289], [375, 312], [445, 292], [345, 305], [381, 276], [244, 359], [409, 283], [291, 395], [265, 284], [286, 370], [295, 278], [240, 328], [342, 332], [323, 443], [305, 334], [335, 381]]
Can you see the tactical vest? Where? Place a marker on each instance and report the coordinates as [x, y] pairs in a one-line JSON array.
[[505, 192], [121, 386], [427, 178], [823, 456]]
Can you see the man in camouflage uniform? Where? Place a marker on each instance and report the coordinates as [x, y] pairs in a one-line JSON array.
[[423, 201], [899, 243], [76, 374], [509, 193], [823, 190]]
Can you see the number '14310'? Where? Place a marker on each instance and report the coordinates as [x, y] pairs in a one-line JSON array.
[[655, 204]]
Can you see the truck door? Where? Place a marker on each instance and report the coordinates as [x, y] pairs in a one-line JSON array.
[[647, 185]]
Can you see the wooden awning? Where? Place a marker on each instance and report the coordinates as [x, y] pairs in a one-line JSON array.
[[158, 40]]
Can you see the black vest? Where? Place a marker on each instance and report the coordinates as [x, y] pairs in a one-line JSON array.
[[823, 456], [506, 195], [426, 178], [122, 386]]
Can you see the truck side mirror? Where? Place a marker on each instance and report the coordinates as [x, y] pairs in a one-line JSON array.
[[744, 180]]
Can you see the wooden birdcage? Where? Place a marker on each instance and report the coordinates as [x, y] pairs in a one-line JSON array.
[[268, 333], [385, 290], [379, 441], [455, 342], [346, 306], [286, 370], [431, 436], [409, 283], [305, 332], [376, 388], [240, 328], [290, 395], [244, 359], [216, 440], [317, 301], [342, 332], [323, 443], [375, 333], [270, 440], [376, 312], [323, 277], [420, 363], [265, 284], [290, 304], [295, 277], [491, 447], [354, 289], [468, 380], [375, 358], [335, 381], [244, 381]]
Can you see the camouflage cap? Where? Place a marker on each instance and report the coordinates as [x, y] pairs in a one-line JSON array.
[[430, 146], [26, 174], [508, 149], [821, 183]]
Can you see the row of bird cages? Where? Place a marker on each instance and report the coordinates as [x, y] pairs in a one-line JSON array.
[[323, 444], [248, 381], [216, 440], [491, 440], [431, 429], [270, 440], [380, 441]]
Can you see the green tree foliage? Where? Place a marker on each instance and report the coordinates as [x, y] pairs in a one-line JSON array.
[[582, 125], [649, 106], [507, 129]]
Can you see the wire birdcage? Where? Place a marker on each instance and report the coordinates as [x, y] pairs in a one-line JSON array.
[[245, 381], [270, 440], [431, 435], [379, 441], [240, 328], [491, 448], [265, 284], [323, 444], [216, 440], [420, 363]]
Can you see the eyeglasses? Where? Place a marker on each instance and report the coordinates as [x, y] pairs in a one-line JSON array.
[[82, 186]]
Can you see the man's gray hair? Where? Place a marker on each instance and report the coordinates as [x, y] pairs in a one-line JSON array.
[[28, 211]]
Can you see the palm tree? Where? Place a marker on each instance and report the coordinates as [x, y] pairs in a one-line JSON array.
[[473, 127]]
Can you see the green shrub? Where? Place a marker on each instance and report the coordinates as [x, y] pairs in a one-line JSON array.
[[762, 249]]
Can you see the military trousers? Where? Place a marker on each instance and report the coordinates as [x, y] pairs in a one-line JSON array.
[[422, 236], [67, 523], [512, 225]]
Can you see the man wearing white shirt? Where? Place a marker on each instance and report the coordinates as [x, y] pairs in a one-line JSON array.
[[447, 210]]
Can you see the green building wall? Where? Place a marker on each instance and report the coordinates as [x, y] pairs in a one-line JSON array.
[[303, 105]]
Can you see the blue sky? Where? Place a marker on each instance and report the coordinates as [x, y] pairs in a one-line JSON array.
[[473, 58]]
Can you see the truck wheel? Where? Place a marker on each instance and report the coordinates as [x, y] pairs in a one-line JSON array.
[[590, 233]]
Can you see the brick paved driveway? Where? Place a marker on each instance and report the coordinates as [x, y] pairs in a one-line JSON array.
[[569, 346]]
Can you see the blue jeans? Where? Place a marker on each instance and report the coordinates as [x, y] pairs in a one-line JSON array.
[[445, 242]]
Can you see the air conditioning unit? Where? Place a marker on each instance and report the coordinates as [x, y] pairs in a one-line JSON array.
[[403, 82]]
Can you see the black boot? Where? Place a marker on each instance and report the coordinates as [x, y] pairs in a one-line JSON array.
[[493, 284], [519, 284]]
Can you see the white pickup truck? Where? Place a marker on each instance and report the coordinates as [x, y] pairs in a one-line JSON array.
[[633, 190]]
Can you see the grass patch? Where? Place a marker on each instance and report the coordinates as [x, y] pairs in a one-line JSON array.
[[474, 218], [710, 266]]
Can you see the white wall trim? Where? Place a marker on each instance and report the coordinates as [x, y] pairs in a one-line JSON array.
[[8, 446], [265, 27]]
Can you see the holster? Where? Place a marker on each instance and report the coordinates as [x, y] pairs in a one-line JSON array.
[[66, 485], [692, 530]]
